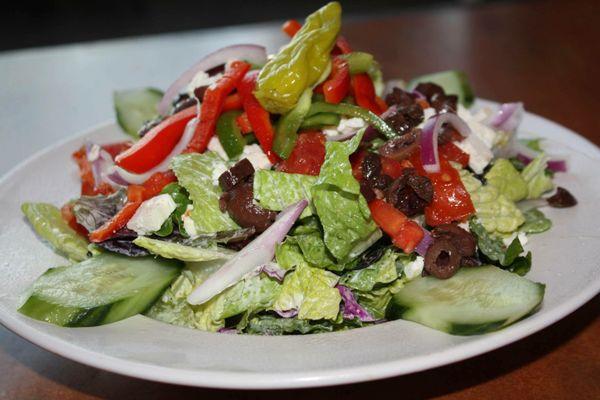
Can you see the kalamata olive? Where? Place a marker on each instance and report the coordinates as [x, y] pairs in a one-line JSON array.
[[429, 89], [402, 147], [148, 125], [239, 203], [462, 240], [470, 262], [367, 191], [405, 118], [562, 198], [199, 92], [444, 103], [236, 174], [442, 260], [400, 98], [410, 193], [182, 102]]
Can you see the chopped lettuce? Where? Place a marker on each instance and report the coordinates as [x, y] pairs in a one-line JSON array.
[[289, 255], [271, 325], [48, 222], [253, 294], [538, 182], [196, 173], [376, 300], [505, 177], [535, 222], [342, 210], [310, 291], [381, 272], [182, 252], [276, 190]]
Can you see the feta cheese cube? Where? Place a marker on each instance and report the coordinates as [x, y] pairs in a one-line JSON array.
[[414, 269], [151, 214], [256, 156]]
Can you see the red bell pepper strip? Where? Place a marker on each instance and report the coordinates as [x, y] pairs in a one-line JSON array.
[[451, 201], [364, 93], [212, 105], [336, 88], [157, 144], [308, 155], [342, 45], [405, 233], [291, 27], [244, 123], [136, 194], [452, 152], [66, 212], [232, 102], [259, 118]]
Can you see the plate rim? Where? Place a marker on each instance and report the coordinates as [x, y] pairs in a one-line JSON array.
[[224, 379]]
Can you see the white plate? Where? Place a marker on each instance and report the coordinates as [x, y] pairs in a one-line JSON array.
[[565, 258]]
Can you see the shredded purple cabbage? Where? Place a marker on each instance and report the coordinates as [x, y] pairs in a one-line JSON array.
[[351, 308]]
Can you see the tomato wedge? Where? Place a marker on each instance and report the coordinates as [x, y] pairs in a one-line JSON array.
[[157, 144], [452, 152], [405, 233], [307, 156]]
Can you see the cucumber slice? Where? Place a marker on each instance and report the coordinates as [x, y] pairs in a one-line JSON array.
[[453, 82], [99, 290], [474, 301], [135, 107]]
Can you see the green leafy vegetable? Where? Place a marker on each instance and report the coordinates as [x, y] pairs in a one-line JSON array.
[[195, 172], [533, 144], [535, 222], [93, 211], [538, 182], [276, 190], [181, 252], [47, 222], [270, 325], [505, 177], [377, 300], [342, 210], [181, 198], [301, 63], [495, 211], [381, 272], [311, 291]]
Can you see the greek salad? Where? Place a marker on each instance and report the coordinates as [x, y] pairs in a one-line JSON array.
[[299, 193]]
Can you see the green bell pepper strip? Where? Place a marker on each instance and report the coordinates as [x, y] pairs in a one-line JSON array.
[[358, 62], [229, 133], [354, 111], [288, 125], [321, 119]]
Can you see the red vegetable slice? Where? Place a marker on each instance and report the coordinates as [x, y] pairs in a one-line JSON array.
[[307, 156]]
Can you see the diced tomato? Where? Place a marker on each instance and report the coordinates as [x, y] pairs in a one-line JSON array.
[[291, 27], [452, 152], [88, 183], [114, 149], [451, 201], [356, 160], [405, 233], [364, 93], [157, 144], [114, 224], [307, 156], [337, 86], [67, 213], [212, 105], [232, 102], [244, 123], [393, 168]]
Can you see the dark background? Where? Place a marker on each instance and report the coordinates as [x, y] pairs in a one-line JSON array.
[[40, 23]]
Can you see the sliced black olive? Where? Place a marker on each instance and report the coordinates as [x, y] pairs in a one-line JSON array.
[[442, 259], [401, 147], [239, 203], [462, 240], [236, 174], [562, 198]]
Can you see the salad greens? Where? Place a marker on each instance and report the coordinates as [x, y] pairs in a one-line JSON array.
[[291, 195]]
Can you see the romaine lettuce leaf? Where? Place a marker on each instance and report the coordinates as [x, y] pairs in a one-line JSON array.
[[376, 301], [381, 272], [271, 325], [181, 252], [342, 210], [535, 222], [312, 292], [505, 177], [250, 295], [276, 190], [289, 255], [48, 223], [196, 173], [534, 174]]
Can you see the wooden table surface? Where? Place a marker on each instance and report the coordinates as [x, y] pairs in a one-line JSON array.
[[542, 53]]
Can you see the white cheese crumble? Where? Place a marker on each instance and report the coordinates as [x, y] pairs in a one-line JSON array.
[[414, 269], [479, 154], [188, 222], [476, 122], [215, 145], [256, 156], [427, 114], [151, 214], [200, 79], [346, 126], [522, 238]]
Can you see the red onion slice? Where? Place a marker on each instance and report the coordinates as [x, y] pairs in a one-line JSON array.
[[424, 244], [119, 175], [526, 155], [246, 52], [100, 160], [429, 138], [351, 308], [258, 252], [508, 117]]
